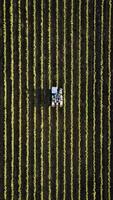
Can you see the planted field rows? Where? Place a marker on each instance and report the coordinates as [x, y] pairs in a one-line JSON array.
[[64, 152]]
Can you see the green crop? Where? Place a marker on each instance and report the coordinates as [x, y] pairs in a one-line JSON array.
[[49, 115], [87, 54], [12, 99], [101, 103], [57, 119], [27, 104], [5, 102], [64, 88], [20, 101], [34, 81], [42, 111], [94, 105], [72, 79], [79, 106]]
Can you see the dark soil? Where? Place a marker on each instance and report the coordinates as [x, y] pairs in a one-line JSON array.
[[45, 93]]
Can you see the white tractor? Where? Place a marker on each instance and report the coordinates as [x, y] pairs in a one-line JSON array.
[[57, 97]]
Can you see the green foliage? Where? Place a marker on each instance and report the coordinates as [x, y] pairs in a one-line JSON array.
[[49, 114], [34, 82], [64, 89], [57, 119], [94, 104], [27, 105], [20, 101], [87, 55], [72, 79], [79, 106], [101, 102], [5, 102], [42, 112], [12, 99]]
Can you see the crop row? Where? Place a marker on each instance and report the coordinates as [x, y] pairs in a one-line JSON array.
[[57, 113], [34, 80], [71, 110], [87, 74], [20, 101], [79, 105], [5, 103], [101, 103], [94, 104], [12, 99], [42, 111], [64, 87], [49, 116], [27, 104]]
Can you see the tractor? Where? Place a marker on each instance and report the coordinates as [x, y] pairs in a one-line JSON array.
[[56, 97]]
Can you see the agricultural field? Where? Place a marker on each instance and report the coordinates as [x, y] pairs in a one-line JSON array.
[[56, 153]]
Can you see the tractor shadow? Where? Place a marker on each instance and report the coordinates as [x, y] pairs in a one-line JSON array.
[[42, 97]]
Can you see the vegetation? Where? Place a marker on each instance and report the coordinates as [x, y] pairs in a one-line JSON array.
[[42, 111], [57, 118], [34, 80], [94, 106], [87, 74], [101, 103], [49, 75], [79, 106], [64, 87], [12, 98], [20, 101], [27, 105], [72, 87], [5, 102]]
